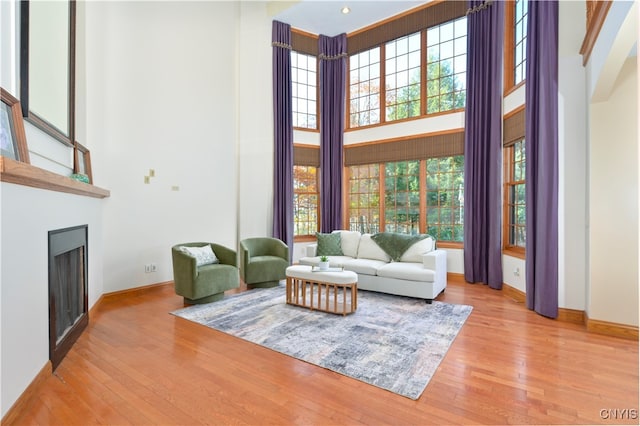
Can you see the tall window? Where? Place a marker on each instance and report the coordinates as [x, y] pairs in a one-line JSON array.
[[420, 196], [364, 198], [305, 200], [364, 88], [402, 77], [402, 197], [447, 66], [514, 183], [304, 90], [520, 40], [445, 198]]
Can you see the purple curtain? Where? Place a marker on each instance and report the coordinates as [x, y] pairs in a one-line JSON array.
[[333, 69], [483, 145], [541, 149], [282, 135]]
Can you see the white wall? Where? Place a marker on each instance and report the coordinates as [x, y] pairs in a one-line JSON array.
[[572, 160], [255, 121], [26, 217], [161, 84], [612, 99], [613, 202], [9, 46]]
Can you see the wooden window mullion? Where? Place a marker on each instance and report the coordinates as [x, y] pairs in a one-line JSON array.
[[423, 196], [347, 110], [506, 222], [381, 191], [383, 84], [423, 72]]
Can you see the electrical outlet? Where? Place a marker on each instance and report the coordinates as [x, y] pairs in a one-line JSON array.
[[516, 272], [147, 268], [154, 267]]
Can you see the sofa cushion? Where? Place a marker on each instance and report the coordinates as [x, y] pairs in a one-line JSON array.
[[364, 266], [328, 244], [414, 253], [407, 271], [368, 249], [349, 241]]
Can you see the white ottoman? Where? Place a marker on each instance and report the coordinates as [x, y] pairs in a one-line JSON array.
[[333, 291]]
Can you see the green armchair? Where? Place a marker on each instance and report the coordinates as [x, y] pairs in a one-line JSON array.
[[207, 282], [263, 261]]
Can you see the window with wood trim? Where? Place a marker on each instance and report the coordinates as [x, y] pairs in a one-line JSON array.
[[514, 194], [402, 77], [364, 88], [364, 198], [515, 43], [304, 87], [447, 66], [519, 41], [415, 77], [445, 198], [420, 196], [402, 197], [305, 200]]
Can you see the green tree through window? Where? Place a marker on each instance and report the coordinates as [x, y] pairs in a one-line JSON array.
[[402, 197], [364, 198], [305, 200], [445, 198], [447, 66], [411, 204], [514, 182], [402, 77]]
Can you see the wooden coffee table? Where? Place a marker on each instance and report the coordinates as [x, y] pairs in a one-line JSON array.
[[334, 291]]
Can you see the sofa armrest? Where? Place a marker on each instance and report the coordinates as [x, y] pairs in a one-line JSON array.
[[311, 250], [436, 260]]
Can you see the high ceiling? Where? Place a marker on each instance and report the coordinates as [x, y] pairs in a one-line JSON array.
[[325, 16]]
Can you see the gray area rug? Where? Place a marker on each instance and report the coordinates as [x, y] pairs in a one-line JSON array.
[[393, 342]]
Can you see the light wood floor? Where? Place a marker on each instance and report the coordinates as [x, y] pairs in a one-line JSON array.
[[137, 364]]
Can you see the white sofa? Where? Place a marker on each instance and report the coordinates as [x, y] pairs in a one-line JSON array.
[[421, 271]]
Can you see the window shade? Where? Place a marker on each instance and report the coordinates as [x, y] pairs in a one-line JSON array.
[[513, 127], [412, 22], [414, 148], [304, 42], [305, 155]]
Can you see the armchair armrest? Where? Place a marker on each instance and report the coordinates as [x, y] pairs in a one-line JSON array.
[[311, 250], [226, 255], [280, 249], [243, 255], [184, 266]]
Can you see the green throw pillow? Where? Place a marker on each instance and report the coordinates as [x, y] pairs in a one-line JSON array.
[[328, 245]]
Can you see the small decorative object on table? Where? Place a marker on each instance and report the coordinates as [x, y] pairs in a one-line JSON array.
[[324, 263], [80, 177]]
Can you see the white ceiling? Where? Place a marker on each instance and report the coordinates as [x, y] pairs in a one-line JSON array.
[[325, 16]]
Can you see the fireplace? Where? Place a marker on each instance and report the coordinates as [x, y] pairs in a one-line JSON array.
[[68, 301]]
